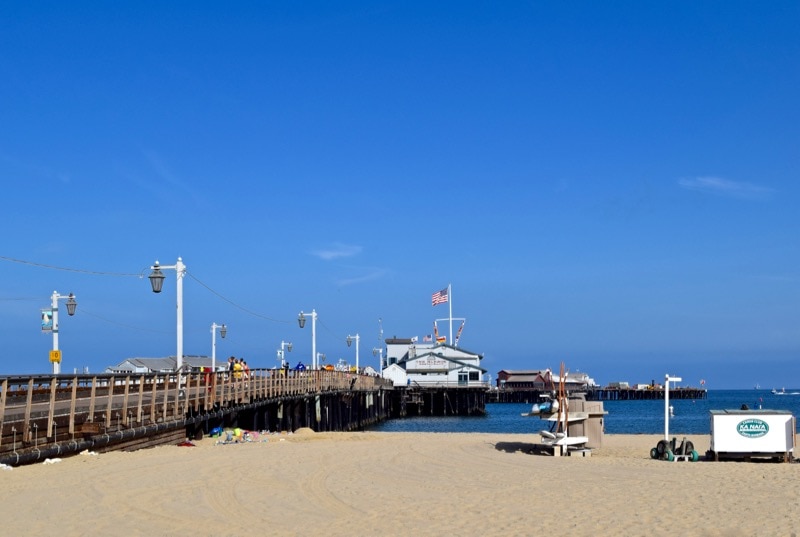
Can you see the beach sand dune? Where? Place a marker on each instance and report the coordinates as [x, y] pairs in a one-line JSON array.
[[400, 484]]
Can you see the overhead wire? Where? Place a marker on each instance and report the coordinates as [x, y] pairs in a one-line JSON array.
[[82, 271], [138, 275], [234, 304]]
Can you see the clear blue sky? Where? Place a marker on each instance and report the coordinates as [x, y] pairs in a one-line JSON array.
[[614, 186]]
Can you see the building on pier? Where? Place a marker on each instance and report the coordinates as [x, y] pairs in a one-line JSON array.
[[432, 364], [166, 365]]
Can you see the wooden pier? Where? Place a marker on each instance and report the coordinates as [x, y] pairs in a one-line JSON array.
[[628, 394], [531, 396], [50, 416]]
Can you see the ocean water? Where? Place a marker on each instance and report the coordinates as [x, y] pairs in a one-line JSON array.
[[624, 417]]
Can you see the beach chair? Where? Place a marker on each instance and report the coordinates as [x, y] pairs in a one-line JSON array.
[[561, 443]]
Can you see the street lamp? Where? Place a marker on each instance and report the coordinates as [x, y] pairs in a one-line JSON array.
[[379, 353], [301, 320], [157, 281], [223, 331], [667, 380], [349, 341], [281, 354], [55, 356]]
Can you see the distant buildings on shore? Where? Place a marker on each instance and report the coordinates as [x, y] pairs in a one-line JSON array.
[[542, 380]]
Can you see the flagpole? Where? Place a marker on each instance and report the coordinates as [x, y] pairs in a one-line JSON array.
[[450, 302]]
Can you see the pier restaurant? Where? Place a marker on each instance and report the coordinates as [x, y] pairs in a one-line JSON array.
[[431, 365]]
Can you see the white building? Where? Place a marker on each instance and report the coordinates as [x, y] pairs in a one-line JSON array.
[[432, 364], [165, 365], [396, 374]]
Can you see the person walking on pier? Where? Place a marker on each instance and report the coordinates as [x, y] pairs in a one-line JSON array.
[[246, 372], [231, 360]]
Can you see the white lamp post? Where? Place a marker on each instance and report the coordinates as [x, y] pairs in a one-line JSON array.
[[301, 320], [349, 341], [281, 354], [55, 356], [667, 380], [157, 281], [379, 353], [223, 331]]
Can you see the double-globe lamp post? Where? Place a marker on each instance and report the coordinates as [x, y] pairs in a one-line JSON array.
[[157, 282], [55, 356], [301, 320]]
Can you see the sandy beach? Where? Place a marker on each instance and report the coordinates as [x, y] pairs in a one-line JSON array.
[[333, 484]]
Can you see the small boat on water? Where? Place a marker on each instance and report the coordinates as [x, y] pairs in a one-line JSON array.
[[783, 392]]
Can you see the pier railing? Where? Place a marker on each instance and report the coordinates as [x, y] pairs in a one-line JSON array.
[[45, 409]]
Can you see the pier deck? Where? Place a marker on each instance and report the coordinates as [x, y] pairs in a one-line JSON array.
[[48, 416]]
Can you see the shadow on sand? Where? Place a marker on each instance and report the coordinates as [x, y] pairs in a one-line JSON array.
[[524, 447]]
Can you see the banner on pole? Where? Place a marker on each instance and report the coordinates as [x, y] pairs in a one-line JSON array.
[[47, 320]]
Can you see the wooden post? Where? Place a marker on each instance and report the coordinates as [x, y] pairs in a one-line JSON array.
[[141, 396], [197, 390], [51, 413], [72, 403], [91, 398], [224, 388], [212, 391], [125, 399], [26, 427], [110, 400], [3, 398], [166, 397], [176, 409], [154, 380]]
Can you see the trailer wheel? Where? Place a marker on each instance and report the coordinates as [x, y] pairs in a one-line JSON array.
[[670, 456], [654, 453], [695, 456], [661, 448]]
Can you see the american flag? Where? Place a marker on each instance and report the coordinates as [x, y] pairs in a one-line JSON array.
[[439, 297], [427, 338]]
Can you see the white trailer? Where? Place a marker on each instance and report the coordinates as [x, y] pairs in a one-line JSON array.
[[747, 434]]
